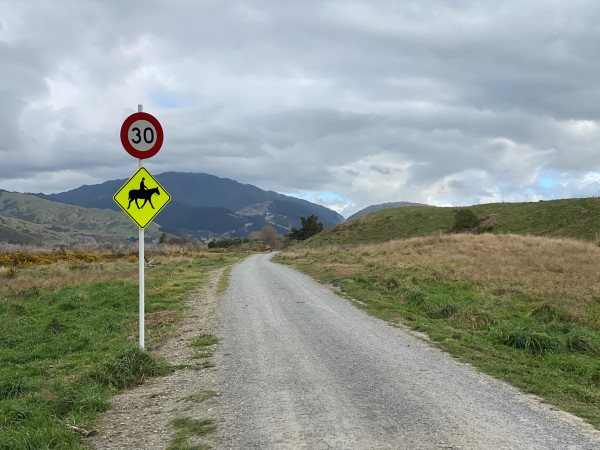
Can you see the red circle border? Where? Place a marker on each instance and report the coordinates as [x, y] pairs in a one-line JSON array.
[[125, 138]]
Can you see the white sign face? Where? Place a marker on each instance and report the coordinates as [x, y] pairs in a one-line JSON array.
[[142, 135]]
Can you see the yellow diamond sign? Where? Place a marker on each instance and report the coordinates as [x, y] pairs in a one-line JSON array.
[[142, 197]]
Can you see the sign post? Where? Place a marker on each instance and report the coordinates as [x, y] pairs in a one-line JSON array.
[[141, 261], [142, 137]]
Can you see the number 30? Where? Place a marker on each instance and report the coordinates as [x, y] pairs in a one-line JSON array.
[[138, 135]]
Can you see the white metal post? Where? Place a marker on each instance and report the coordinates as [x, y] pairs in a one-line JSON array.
[[141, 269]]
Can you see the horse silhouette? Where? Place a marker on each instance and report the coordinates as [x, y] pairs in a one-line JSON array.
[[144, 194]]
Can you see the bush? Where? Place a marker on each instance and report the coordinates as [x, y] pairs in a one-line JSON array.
[[464, 219], [227, 243]]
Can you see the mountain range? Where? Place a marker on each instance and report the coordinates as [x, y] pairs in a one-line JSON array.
[[205, 206]]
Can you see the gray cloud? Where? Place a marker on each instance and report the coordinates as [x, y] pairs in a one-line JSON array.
[[431, 101]]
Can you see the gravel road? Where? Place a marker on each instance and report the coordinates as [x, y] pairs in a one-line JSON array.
[[303, 368]]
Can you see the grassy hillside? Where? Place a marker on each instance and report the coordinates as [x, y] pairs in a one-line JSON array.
[[576, 218], [388, 205], [31, 220]]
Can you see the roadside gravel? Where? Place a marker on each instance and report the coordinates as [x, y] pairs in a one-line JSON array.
[[302, 368], [140, 417]]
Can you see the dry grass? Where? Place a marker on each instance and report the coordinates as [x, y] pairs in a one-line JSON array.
[[559, 272], [58, 275], [27, 268]]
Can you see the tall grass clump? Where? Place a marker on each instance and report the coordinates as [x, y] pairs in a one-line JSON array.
[[536, 343], [583, 342], [15, 386], [131, 367]]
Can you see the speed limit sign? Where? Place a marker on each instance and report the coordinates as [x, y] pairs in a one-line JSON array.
[[142, 135]]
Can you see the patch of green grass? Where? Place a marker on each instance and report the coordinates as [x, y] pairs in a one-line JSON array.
[[204, 340], [201, 396], [202, 354], [202, 344], [15, 386], [199, 366], [189, 428], [535, 342], [63, 352], [224, 281]]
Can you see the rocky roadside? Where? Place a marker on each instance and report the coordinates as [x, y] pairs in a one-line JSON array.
[[142, 417]]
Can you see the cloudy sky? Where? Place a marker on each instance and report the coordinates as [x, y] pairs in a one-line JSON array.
[[345, 103]]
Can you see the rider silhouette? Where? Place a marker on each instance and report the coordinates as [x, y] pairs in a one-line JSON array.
[[143, 193]]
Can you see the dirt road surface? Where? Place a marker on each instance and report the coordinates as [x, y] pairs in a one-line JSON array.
[[303, 368]]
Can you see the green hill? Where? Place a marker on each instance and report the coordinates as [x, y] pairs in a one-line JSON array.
[[27, 219], [575, 218]]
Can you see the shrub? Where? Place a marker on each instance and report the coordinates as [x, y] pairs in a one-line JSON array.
[[464, 219]]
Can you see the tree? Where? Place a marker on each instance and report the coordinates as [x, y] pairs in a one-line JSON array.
[[268, 235], [464, 219], [310, 227]]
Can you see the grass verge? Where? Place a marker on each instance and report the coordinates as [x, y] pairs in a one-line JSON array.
[[224, 281], [64, 350], [523, 309]]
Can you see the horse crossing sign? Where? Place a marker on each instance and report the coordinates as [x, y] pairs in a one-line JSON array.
[[142, 197]]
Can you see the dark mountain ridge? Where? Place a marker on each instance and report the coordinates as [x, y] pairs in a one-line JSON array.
[[204, 205]]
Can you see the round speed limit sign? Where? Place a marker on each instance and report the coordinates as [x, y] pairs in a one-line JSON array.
[[141, 135]]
